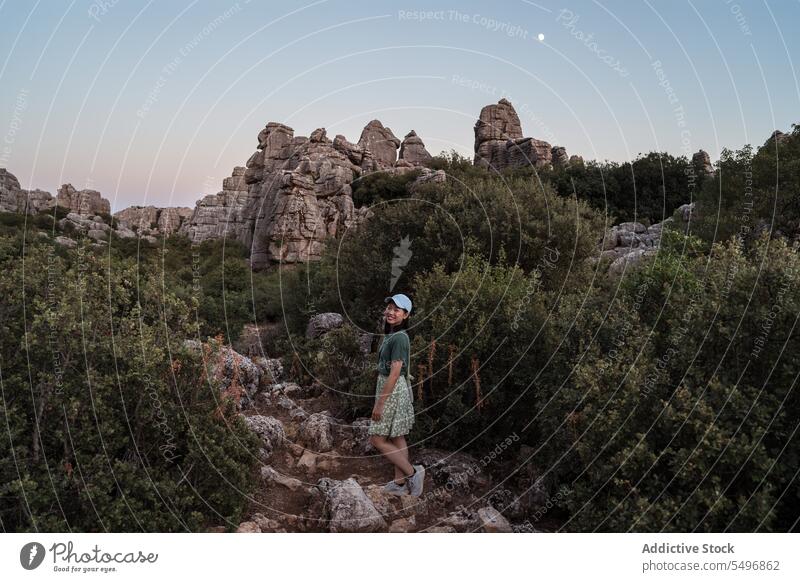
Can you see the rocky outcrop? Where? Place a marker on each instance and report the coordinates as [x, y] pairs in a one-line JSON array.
[[8, 181], [14, 199], [299, 194], [559, 156], [94, 227], [381, 143], [496, 125], [153, 221], [413, 151], [83, 202], [701, 162], [499, 142], [220, 215], [627, 243]]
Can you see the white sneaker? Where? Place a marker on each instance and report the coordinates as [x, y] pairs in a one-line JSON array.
[[416, 481], [394, 489]]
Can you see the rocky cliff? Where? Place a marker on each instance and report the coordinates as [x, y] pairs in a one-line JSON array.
[[13, 198]]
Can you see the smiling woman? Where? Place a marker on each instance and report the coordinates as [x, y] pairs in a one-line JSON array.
[[393, 413]]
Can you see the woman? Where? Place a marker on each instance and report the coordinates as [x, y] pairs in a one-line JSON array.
[[393, 413]]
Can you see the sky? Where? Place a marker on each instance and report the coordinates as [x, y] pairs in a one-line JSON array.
[[156, 102]]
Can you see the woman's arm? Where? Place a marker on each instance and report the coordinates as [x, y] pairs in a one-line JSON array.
[[388, 387]]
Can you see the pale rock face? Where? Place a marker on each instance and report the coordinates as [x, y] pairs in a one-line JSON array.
[[82, 202], [220, 215], [381, 142], [413, 151]]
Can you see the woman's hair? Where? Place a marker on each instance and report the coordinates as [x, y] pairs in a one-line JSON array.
[[387, 329]]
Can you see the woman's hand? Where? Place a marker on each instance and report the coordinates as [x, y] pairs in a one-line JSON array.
[[377, 410]]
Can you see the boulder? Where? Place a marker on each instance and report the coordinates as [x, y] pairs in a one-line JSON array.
[[270, 475], [270, 431], [322, 323], [233, 368], [248, 527], [271, 369], [316, 433], [307, 462], [66, 242], [347, 507]]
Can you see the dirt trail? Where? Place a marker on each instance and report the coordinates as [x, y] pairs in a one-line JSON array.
[[287, 500]]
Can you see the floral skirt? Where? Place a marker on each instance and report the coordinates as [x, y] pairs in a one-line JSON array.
[[398, 413]]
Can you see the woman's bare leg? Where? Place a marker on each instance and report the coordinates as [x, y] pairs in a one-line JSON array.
[[396, 456], [400, 443]]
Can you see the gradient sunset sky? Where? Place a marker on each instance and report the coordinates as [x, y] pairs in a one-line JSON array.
[[156, 102]]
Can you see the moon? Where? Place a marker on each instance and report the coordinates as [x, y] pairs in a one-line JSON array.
[[541, 37]]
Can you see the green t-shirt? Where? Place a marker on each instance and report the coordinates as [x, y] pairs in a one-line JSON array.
[[395, 346]]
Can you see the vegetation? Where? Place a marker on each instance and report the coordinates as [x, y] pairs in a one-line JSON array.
[[664, 400]]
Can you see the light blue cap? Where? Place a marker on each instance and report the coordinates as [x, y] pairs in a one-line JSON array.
[[402, 301]]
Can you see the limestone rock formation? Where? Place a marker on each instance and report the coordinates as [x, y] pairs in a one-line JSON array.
[[15, 199], [413, 151], [83, 202], [499, 142], [627, 243], [701, 162], [496, 125], [8, 181], [559, 156], [381, 142], [299, 194], [153, 221], [220, 215]]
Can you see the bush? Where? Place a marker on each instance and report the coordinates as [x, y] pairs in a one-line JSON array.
[[691, 431], [108, 418], [647, 190]]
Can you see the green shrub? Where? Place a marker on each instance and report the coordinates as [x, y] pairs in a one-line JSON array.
[[111, 425]]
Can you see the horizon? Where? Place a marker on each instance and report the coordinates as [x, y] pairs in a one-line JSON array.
[[155, 104]]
